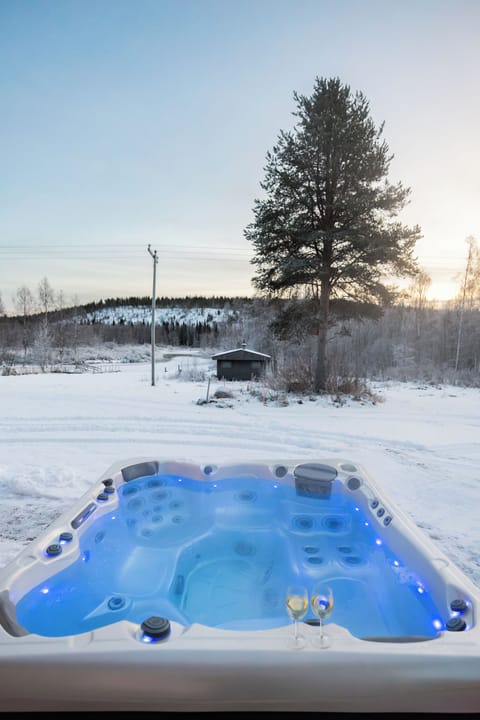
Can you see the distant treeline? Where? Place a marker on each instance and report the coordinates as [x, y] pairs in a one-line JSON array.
[[412, 340], [186, 302]]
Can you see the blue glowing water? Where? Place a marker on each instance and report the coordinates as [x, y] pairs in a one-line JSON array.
[[222, 554]]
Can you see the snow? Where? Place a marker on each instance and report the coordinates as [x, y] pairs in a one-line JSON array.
[[60, 432], [176, 313]]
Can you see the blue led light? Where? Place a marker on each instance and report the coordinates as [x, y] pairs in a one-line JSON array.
[[147, 639]]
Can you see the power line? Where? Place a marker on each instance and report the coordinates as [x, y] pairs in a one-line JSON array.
[[219, 252], [201, 256], [110, 246]]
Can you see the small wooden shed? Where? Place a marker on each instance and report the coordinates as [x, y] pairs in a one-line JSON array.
[[241, 364]]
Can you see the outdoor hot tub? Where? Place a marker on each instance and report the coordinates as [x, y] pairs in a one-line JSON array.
[[164, 588]]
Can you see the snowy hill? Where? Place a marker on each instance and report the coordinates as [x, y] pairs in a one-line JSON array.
[[143, 315]]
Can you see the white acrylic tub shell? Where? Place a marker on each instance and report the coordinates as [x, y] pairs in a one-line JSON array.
[[198, 668]]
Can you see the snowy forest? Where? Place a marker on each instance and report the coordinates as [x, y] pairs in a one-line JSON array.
[[412, 339]]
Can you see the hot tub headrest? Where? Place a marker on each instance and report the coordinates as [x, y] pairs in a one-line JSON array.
[[143, 469], [314, 479]]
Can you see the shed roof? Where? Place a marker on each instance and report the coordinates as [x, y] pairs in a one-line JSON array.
[[242, 353]]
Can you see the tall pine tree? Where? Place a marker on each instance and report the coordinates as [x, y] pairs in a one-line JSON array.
[[326, 227]]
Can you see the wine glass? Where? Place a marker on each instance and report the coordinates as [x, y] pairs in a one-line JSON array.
[[322, 606], [297, 605]]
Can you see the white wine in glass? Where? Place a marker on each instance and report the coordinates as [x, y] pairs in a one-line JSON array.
[[297, 605], [322, 606]]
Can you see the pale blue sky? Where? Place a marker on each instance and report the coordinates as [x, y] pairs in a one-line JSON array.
[[129, 122]]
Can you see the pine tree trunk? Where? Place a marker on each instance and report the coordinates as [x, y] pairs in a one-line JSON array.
[[320, 384]]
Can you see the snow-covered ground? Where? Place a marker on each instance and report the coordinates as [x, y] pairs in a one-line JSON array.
[[60, 432]]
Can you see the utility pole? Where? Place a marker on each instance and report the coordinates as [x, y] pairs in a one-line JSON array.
[[470, 241], [154, 295]]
